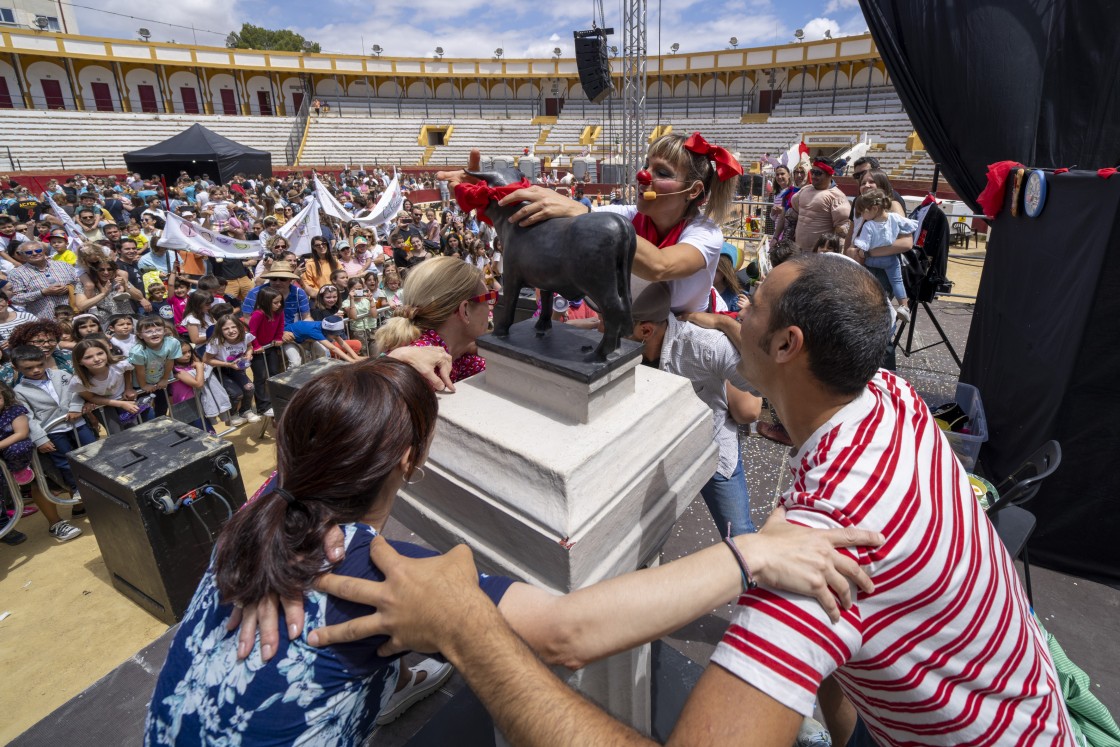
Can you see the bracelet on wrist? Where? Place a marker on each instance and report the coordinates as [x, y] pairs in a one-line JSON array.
[[744, 569]]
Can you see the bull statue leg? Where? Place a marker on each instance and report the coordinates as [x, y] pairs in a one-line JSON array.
[[616, 317], [503, 316], [544, 322]]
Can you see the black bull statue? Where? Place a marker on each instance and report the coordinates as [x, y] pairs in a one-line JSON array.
[[588, 256]]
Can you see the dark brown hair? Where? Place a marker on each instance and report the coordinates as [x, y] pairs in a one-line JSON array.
[[366, 416]]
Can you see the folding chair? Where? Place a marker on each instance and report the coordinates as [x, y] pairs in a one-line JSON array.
[[1013, 523]]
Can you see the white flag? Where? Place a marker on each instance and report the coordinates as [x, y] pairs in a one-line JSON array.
[[77, 238], [388, 206], [183, 235], [331, 205], [335, 209], [302, 228]]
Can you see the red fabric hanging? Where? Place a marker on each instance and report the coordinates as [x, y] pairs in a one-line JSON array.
[[991, 199]]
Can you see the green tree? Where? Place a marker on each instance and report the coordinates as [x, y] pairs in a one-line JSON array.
[[258, 37]]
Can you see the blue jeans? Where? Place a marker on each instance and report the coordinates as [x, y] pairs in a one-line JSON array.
[[729, 502], [892, 266], [64, 444]]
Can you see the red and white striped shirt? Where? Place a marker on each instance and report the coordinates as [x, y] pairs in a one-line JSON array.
[[945, 651]]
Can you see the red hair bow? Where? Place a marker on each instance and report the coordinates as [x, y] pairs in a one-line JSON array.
[[726, 165]]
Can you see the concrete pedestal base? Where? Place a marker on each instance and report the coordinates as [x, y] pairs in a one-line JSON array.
[[563, 483]]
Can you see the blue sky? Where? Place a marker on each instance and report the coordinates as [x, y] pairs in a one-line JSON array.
[[474, 28]]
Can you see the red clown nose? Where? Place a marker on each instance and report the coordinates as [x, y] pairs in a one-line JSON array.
[[644, 178]]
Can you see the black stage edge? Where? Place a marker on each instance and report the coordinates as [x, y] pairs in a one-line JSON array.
[[563, 350], [112, 710]]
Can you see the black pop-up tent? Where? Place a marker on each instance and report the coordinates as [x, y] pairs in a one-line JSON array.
[[197, 151], [1032, 81]]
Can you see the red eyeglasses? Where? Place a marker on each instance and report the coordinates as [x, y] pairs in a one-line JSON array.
[[489, 298]]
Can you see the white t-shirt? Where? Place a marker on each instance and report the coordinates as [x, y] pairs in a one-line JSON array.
[[225, 350], [112, 386], [203, 325], [690, 293], [945, 651]]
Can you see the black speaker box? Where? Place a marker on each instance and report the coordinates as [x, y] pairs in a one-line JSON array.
[[594, 69], [282, 387], [129, 483]]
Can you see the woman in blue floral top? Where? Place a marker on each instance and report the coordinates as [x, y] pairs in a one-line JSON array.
[[219, 687]]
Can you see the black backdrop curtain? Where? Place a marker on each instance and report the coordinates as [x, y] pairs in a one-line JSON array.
[[1033, 81]]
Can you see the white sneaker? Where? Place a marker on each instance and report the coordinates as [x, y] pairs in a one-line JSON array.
[[903, 312], [410, 694], [268, 413], [252, 417], [236, 420], [64, 531]]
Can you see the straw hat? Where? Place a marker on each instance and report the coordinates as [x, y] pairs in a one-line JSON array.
[[281, 269]]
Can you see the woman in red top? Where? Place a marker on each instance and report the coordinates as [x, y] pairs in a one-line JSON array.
[[445, 304]]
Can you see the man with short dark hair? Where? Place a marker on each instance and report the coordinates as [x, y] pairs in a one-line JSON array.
[[129, 262], [945, 651], [819, 207], [89, 222]]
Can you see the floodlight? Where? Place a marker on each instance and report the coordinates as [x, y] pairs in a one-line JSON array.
[[674, 48], [377, 49], [145, 34]]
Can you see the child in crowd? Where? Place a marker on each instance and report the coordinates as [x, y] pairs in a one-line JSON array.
[[63, 313], [86, 325], [340, 279], [196, 316], [121, 334], [230, 348], [828, 242], [16, 449], [47, 395], [137, 235], [328, 337], [880, 227], [214, 286], [357, 307], [267, 327], [192, 379], [154, 358], [389, 294], [104, 379], [327, 303], [157, 296], [66, 339], [179, 293]]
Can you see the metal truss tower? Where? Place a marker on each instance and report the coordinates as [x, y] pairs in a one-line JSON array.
[[635, 137]]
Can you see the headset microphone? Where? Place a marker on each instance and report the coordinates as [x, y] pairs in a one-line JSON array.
[[651, 195]]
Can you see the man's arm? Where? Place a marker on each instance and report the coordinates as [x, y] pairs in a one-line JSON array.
[[724, 710]]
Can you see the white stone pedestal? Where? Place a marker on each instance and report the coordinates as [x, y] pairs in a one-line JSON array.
[[561, 482]]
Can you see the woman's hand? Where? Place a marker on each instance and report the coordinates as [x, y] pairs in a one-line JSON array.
[[433, 363], [804, 561], [544, 203], [264, 615]]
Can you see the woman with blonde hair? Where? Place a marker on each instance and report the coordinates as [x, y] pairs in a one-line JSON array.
[[684, 194], [445, 304]]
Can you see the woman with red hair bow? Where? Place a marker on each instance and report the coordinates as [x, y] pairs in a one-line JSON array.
[[684, 194]]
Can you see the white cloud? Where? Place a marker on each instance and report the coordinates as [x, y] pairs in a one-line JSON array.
[[815, 28], [209, 15], [834, 5]]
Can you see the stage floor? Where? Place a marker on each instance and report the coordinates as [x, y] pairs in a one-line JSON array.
[[68, 627]]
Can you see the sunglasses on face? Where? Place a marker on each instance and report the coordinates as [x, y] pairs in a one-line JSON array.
[[31, 252], [490, 297]]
